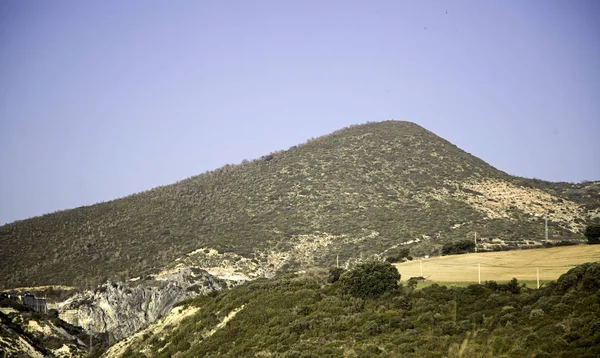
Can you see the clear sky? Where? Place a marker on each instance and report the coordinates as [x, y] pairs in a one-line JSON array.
[[101, 99]]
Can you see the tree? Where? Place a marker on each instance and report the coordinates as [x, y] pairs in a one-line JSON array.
[[459, 247], [402, 255], [592, 233], [370, 279]]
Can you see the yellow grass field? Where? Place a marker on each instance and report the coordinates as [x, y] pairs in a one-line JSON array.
[[501, 266]]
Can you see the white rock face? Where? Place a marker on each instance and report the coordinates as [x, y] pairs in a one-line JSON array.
[[120, 309]]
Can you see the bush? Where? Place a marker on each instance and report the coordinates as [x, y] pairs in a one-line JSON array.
[[559, 243], [334, 274], [583, 277], [53, 313], [459, 247], [592, 233], [370, 279], [512, 286], [536, 313], [371, 328]]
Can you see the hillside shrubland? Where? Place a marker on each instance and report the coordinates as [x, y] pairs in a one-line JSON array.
[[370, 187], [305, 315]]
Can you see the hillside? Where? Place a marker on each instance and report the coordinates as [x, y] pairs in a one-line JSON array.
[[307, 316], [358, 192]]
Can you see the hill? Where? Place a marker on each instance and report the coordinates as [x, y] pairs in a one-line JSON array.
[[359, 192], [307, 316]]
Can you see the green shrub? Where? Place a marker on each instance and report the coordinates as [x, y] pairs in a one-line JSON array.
[[370, 279], [334, 274], [512, 286], [536, 313], [459, 247], [592, 233]]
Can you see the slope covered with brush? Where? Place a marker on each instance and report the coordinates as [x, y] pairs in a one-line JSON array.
[[356, 192], [308, 316]]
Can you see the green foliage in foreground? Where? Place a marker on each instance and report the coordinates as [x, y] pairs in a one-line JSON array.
[[305, 316]]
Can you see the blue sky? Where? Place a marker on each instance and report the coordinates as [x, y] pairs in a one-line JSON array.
[[99, 100]]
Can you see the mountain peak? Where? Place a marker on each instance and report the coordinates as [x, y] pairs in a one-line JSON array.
[[360, 191]]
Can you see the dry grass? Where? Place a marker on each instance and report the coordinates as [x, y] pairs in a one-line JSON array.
[[501, 266]]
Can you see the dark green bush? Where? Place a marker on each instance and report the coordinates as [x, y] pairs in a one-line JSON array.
[[592, 233], [370, 279], [458, 247], [334, 274]]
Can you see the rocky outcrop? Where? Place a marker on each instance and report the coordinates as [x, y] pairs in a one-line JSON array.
[[119, 309], [160, 328], [26, 333]]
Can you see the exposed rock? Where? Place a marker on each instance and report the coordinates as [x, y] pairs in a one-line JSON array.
[[230, 266], [161, 328], [122, 308], [25, 333], [500, 199], [12, 344], [157, 328]]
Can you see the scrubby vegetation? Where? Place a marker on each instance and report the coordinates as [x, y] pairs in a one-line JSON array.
[[592, 233], [458, 247], [25, 325], [370, 279], [398, 255], [370, 187], [306, 316]]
